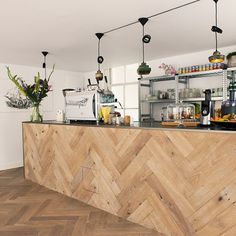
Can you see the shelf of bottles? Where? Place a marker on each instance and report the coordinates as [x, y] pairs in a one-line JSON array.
[[188, 94]]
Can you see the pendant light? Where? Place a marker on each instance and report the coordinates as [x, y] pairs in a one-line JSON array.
[[100, 59], [44, 63], [217, 57], [144, 69]]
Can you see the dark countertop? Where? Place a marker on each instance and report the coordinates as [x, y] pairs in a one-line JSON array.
[[142, 125]]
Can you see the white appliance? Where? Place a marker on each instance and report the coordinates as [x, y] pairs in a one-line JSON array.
[[81, 105], [85, 105]]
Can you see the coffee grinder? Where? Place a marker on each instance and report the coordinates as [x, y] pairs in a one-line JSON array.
[[207, 108]]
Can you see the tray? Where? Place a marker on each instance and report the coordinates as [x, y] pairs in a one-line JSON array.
[[225, 124], [184, 123]]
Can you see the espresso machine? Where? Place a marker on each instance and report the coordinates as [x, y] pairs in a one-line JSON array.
[[85, 105], [207, 108]]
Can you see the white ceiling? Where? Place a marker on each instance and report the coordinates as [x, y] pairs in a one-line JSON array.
[[66, 29]]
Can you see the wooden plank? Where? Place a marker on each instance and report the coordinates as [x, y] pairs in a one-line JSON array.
[[176, 182]]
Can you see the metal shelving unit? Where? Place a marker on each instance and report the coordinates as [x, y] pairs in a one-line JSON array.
[[182, 78], [159, 101], [182, 100], [201, 74], [159, 78], [201, 99]]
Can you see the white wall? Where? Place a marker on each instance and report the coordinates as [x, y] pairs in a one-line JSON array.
[[197, 58], [11, 153]]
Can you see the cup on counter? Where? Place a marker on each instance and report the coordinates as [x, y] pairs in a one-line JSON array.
[[60, 116], [106, 113], [118, 120], [111, 115], [113, 120], [127, 120]]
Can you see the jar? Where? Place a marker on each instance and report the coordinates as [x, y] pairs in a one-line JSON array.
[[171, 93], [162, 95], [197, 93], [164, 114], [172, 112], [117, 120], [181, 93], [187, 111], [213, 92], [220, 92], [180, 111], [127, 120], [190, 93], [185, 93]]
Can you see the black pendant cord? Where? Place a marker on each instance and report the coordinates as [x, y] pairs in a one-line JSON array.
[[157, 14], [44, 63], [99, 58], [216, 17], [143, 45], [99, 53], [45, 68], [174, 8]]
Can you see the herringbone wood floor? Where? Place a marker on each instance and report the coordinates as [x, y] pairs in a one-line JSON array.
[[29, 209]]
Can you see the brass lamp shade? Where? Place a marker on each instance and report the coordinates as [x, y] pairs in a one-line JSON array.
[[99, 75], [217, 57]]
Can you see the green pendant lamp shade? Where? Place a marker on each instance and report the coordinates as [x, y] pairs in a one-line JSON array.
[[144, 68], [100, 59], [217, 57]]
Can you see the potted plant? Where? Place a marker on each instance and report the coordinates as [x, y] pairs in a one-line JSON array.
[[34, 92], [169, 69], [231, 57]]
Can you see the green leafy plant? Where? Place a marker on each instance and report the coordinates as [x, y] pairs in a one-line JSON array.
[[230, 55], [34, 92]]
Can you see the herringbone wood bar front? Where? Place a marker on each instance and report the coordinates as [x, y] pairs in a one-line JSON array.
[[176, 182]]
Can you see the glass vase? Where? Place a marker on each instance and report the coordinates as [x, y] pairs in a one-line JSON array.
[[36, 116]]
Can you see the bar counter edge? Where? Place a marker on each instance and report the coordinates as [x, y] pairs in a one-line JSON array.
[[141, 125]]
